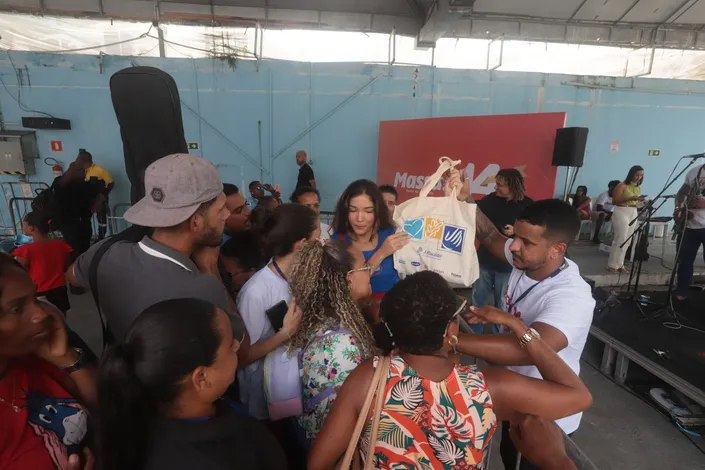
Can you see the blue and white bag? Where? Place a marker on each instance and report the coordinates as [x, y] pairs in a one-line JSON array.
[[442, 231]]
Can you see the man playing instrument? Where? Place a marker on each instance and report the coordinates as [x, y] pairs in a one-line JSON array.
[[690, 206]]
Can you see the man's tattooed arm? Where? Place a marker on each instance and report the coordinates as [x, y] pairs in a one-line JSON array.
[[487, 233]]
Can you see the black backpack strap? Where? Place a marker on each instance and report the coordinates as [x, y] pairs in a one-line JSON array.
[[133, 234], [108, 337]]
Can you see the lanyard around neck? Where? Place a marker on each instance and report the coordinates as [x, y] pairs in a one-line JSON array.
[[526, 292], [276, 266]]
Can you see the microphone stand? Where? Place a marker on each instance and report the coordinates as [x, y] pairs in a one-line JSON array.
[[639, 231]]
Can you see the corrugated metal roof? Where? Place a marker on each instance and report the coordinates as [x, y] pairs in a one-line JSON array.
[[638, 23]]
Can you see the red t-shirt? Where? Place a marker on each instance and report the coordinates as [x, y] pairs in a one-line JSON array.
[[50, 424], [47, 262]]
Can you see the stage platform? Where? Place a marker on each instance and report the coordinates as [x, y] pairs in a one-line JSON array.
[[655, 272], [633, 333]]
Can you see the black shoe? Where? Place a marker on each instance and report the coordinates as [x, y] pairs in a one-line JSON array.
[[76, 290]]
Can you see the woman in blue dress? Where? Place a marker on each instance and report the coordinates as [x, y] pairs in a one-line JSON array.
[[362, 220]]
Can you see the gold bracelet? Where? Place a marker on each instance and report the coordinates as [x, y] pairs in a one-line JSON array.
[[527, 337]]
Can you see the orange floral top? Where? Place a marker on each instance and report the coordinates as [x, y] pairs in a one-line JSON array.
[[432, 425]]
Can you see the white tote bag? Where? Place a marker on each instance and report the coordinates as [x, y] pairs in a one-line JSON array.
[[442, 231]]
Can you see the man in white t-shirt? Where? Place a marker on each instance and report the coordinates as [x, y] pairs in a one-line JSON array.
[[603, 209], [691, 193], [545, 291]]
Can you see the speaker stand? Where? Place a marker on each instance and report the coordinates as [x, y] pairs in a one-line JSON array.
[[568, 173]]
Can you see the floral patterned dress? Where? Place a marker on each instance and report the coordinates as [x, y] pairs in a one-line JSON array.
[[326, 362], [432, 425]]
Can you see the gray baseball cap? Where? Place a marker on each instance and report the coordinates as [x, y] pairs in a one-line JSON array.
[[175, 187]]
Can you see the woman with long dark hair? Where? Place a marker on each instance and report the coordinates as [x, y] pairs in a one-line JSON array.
[[327, 280], [581, 202], [625, 196], [287, 229], [363, 221], [160, 395], [436, 413]]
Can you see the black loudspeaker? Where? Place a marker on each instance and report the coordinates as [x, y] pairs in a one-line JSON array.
[[569, 149], [46, 123], [148, 109]]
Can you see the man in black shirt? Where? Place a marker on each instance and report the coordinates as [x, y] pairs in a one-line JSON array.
[[502, 207], [75, 197], [306, 177]]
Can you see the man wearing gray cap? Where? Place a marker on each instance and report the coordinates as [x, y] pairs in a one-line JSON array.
[[185, 204]]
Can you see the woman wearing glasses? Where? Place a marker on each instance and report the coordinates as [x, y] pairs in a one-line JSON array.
[[327, 280], [435, 412]]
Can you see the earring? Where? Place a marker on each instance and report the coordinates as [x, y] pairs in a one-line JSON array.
[[453, 341]]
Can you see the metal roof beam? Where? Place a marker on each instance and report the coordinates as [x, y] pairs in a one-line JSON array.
[[577, 10], [416, 8], [627, 12], [682, 10], [441, 16]]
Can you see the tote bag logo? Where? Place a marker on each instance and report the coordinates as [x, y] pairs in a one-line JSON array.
[[453, 238], [433, 228], [414, 227]]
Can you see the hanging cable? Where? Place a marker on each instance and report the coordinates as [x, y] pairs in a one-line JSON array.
[[18, 98], [209, 52]]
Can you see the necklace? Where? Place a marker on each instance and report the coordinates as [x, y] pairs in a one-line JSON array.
[[11, 403]]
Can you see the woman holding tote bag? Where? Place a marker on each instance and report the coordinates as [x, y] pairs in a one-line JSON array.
[[428, 411], [362, 220]]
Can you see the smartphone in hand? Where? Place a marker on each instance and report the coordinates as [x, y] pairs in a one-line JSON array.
[[276, 314]]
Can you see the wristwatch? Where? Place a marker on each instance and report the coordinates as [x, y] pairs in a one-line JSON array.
[[80, 363], [528, 336]]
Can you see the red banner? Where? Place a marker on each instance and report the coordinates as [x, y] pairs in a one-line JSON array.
[[409, 151]]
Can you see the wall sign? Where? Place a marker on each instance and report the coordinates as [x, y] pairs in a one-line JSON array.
[[654, 152], [57, 146], [193, 145], [614, 146], [409, 150]]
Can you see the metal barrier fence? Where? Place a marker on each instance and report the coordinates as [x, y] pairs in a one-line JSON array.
[[16, 202], [327, 217], [117, 223], [11, 218], [19, 207]]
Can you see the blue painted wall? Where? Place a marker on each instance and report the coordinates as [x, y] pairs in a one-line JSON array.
[[286, 98]]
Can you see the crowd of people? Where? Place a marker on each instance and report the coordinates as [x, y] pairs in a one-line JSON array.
[[251, 334]]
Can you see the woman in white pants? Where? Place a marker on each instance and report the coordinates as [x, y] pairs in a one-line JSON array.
[[625, 197]]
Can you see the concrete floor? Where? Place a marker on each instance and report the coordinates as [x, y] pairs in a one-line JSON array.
[[619, 432]]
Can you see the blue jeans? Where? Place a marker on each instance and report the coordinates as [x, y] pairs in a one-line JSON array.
[[490, 281], [692, 239]]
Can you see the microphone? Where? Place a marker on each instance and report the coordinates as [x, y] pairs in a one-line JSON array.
[[669, 196]]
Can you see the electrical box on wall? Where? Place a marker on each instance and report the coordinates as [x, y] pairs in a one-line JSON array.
[[18, 151]]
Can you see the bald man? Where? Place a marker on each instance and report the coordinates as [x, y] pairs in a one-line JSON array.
[[306, 178]]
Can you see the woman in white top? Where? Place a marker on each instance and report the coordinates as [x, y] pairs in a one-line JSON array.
[[286, 230]]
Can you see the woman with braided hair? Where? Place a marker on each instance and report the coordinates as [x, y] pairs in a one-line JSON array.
[[327, 280]]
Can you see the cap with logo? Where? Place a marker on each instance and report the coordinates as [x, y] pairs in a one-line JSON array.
[[175, 187]]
